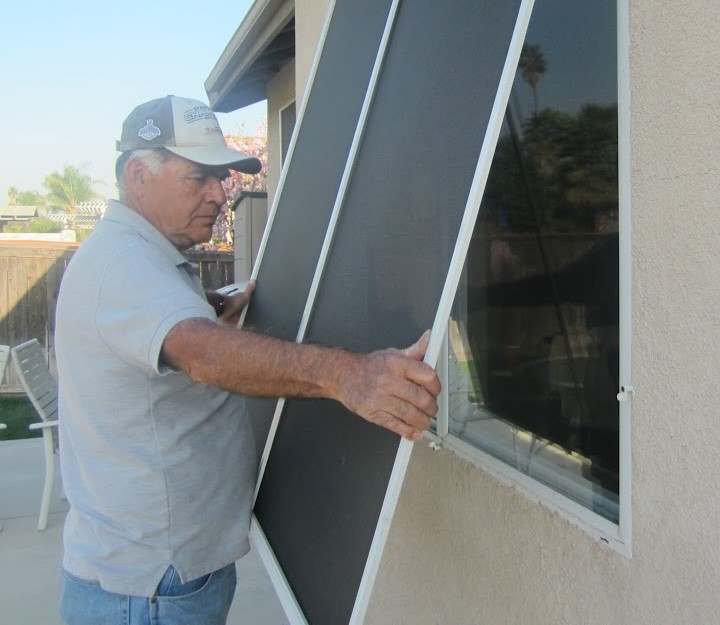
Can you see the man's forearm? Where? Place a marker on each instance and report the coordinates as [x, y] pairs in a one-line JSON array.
[[252, 364], [391, 388]]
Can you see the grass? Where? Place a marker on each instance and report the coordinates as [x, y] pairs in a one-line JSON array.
[[17, 413]]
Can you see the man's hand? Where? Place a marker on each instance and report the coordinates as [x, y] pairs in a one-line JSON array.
[[394, 389], [234, 305]]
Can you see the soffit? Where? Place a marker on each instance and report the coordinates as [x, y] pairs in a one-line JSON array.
[[261, 46]]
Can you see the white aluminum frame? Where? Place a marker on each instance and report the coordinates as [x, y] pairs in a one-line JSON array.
[[617, 536], [282, 588], [624, 535]]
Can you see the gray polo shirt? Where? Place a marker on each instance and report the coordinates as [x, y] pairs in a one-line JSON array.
[[158, 469]]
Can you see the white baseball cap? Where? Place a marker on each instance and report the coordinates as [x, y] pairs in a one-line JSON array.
[[185, 127]]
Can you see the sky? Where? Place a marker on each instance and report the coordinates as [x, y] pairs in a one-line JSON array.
[[72, 71]]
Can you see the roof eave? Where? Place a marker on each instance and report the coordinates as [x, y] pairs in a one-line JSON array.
[[265, 20]]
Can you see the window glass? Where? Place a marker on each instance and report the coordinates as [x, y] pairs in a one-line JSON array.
[[533, 337], [288, 117]]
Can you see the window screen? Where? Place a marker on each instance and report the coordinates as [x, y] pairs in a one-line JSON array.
[[328, 471]]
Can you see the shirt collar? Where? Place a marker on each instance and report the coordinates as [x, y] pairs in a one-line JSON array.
[[126, 216]]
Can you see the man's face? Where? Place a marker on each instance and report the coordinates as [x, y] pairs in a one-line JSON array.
[[183, 200]]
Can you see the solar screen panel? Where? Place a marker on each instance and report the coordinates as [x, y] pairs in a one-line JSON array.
[[327, 475]]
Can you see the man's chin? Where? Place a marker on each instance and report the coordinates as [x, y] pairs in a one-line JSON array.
[[187, 243], [202, 236]]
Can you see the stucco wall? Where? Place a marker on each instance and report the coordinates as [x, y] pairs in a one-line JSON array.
[[291, 82], [463, 548], [309, 22]]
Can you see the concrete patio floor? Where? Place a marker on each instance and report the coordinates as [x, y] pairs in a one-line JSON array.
[[30, 560]]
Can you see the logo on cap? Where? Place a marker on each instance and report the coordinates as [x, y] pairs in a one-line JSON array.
[[197, 113], [149, 131]]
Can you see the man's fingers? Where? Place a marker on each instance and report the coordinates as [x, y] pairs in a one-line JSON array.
[[394, 424], [245, 295], [415, 397], [235, 303], [424, 376], [420, 372], [405, 431], [409, 412]]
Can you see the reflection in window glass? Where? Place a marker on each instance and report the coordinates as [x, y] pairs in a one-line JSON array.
[[534, 332], [288, 118]]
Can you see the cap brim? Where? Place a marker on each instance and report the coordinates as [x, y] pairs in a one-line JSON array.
[[219, 156]]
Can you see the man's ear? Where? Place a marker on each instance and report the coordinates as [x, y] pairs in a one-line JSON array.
[[136, 176]]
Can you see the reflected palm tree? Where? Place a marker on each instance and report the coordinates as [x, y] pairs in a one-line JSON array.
[[532, 65]]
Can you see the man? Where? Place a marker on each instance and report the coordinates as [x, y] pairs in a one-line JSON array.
[[156, 447]]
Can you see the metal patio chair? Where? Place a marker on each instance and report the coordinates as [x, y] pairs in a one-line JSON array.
[[40, 386]]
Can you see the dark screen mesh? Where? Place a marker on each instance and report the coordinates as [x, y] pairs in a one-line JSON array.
[[316, 166], [328, 471], [311, 184]]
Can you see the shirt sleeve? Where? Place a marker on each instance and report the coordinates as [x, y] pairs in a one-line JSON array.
[[140, 300]]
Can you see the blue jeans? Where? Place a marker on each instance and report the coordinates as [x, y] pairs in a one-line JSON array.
[[202, 601]]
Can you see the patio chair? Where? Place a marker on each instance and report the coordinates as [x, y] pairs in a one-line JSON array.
[[32, 368]]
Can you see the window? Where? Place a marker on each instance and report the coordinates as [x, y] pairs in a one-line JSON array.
[[287, 125], [533, 340]]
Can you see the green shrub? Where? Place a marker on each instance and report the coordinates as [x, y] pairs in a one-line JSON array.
[[14, 228], [42, 224]]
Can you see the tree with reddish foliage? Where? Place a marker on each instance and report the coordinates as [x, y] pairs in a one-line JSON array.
[[254, 145]]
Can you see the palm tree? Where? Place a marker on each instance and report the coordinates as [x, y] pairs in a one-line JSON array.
[[532, 65], [12, 193], [67, 190]]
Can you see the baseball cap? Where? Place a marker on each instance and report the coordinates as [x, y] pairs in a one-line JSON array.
[[185, 127]]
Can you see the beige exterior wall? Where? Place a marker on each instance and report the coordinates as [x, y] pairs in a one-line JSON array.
[[309, 22], [465, 548], [290, 83]]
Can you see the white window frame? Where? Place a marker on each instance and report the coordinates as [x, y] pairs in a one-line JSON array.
[[616, 536]]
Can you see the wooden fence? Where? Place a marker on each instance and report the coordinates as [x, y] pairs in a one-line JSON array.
[[216, 268], [30, 276]]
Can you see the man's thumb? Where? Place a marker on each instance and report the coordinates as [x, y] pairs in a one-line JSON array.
[[417, 350]]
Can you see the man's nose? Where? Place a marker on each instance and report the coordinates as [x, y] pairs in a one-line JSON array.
[[216, 192]]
